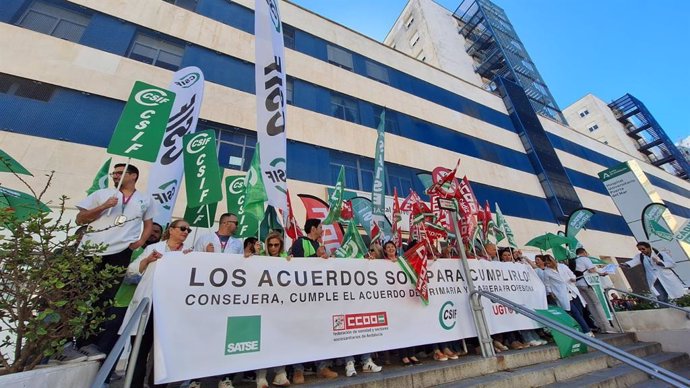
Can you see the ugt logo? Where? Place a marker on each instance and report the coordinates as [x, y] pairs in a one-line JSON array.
[[243, 335]]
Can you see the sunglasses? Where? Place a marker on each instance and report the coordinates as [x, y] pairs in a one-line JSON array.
[[118, 173], [274, 245], [184, 229]]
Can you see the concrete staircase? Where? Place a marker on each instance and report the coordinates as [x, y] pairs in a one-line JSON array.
[[532, 367]]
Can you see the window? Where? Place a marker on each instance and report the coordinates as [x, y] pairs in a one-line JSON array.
[[22, 87], [391, 120], [421, 56], [593, 127], [186, 4], [414, 39], [288, 36], [584, 112], [290, 90], [345, 108], [359, 173], [339, 57], [157, 52], [409, 21], [235, 146], [55, 21], [376, 71]]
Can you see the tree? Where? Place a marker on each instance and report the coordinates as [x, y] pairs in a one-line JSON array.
[[48, 287]]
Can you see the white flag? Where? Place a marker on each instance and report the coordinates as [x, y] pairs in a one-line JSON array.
[[166, 174], [270, 101]]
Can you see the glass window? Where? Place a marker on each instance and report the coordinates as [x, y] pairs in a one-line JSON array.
[[421, 56], [55, 21], [414, 39], [290, 90], [235, 146], [391, 120], [186, 4], [409, 21], [376, 71], [22, 87], [156, 51], [288, 36], [593, 127], [583, 112], [339, 57], [344, 108]]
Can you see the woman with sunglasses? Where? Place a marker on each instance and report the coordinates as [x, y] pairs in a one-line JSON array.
[[172, 241], [559, 281]]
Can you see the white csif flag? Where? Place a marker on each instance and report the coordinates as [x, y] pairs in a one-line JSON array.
[[270, 101], [165, 177]]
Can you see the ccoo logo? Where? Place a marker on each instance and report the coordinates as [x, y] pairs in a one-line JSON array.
[[151, 97]]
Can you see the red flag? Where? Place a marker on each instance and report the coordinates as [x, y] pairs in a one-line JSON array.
[[486, 219], [416, 257], [410, 200], [292, 228], [442, 176], [397, 217], [317, 208], [346, 211], [466, 199]]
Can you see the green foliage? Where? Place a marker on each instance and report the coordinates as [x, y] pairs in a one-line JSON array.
[[48, 288], [683, 301]]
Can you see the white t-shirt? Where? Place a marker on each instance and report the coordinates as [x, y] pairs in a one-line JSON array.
[[139, 208], [583, 264], [234, 245]]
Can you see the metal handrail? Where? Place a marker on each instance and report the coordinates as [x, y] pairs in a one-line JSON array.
[[143, 312], [673, 306], [645, 366]]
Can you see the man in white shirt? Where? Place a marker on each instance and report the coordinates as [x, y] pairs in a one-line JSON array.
[[122, 221], [584, 266], [662, 281], [222, 241]]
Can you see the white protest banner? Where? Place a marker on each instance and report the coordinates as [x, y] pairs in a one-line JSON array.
[[232, 314], [270, 100], [165, 177]]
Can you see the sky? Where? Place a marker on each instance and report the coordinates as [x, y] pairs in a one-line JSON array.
[[604, 47]]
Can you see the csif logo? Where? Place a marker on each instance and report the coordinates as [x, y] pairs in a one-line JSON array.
[[198, 143], [237, 187], [243, 335], [447, 315], [151, 97], [188, 80], [275, 15]]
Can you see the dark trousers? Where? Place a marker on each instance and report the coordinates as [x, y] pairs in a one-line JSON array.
[[576, 311], [663, 295]]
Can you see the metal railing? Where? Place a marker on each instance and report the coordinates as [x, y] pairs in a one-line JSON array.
[[636, 362], [143, 312], [669, 305]]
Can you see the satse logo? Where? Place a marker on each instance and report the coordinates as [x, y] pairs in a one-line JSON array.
[[243, 335]]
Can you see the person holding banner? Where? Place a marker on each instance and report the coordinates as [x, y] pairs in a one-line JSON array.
[[122, 221], [662, 281], [172, 241], [584, 265], [559, 281], [223, 240]]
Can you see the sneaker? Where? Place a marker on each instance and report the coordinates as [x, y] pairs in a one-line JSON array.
[[223, 383], [281, 380], [370, 367], [438, 356], [68, 355], [261, 382], [92, 352], [543, 342], [499, 346], [298, 377], [534, 343], [327, 373], [450, 354], [350, 369], [590, 334]]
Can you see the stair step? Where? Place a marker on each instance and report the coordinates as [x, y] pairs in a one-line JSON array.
[[624, 375], [544, 373], [654, 383]]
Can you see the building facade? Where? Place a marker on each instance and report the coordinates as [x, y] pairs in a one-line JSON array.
[[68, 66]]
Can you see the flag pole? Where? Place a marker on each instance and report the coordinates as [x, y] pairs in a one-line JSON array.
[[119, 184]]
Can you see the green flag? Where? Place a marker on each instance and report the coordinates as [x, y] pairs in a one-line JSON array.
[[353, 245], [101, 179], [142, 124], [335, 200], [504, 228], [201, 171], [255, 198], [566, 346], [200, 217], [651, 215], [270, 222], [577, 221], [234, 193]]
